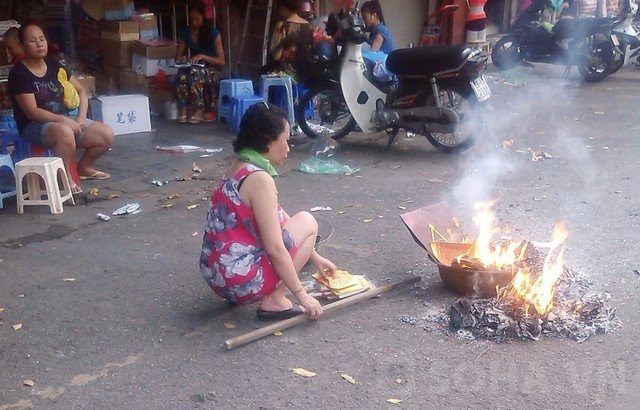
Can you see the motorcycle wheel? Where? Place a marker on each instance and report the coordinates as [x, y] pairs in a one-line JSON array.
[[506, 54], [323, 112], [463, 101], [616, 65], [599, 62]]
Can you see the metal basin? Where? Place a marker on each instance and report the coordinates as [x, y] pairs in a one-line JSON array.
[[473, 282]]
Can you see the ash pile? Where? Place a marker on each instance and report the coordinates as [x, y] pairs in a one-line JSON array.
[[577, 313]]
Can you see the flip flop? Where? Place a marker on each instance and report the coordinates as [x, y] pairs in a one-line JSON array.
[[265, 315], [75, 189], [99, 175], [195, 120], [182, 119]]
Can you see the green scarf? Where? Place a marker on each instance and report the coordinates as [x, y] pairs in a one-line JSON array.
[[254, 157]]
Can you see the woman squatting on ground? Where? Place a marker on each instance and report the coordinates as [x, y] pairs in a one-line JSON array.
[[252, 250]]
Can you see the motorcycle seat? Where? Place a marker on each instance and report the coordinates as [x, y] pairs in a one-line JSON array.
[[426, 60]]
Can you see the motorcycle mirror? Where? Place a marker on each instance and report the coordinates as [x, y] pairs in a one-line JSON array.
[[356, 22]]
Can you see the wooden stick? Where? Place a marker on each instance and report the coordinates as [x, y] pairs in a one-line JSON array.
[[303, 317]]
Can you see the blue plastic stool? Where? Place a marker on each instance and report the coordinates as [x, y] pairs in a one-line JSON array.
[[8, 190], [268, 81], [21, 149], [239, 106], [231, 87]]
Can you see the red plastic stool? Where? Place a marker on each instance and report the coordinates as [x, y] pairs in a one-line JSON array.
[[40, 151]]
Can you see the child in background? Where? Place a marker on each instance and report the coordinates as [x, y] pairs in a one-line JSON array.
[[12, 43], [380, 38]]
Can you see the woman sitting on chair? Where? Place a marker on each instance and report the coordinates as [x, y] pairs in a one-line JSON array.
[[201, 76], [41, 105], [291, 42]]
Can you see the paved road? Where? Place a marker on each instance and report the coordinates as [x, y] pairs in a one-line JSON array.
[[139, 329]]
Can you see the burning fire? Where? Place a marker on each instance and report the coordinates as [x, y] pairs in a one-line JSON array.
[[500, 255], [527, 288], [538, 290]]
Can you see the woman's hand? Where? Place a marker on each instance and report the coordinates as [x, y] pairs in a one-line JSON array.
[[198, 58], [75, 126], [324, 265], [310, 304], [82, 121]]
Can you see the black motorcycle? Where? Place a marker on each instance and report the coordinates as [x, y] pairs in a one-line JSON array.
[[581, 42]]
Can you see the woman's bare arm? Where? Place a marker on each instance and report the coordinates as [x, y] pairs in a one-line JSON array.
[[260, 190], [377, 42], [27, 103]]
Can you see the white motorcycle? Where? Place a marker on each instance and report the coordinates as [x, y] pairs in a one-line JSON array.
[[626, 37], [435, 94]]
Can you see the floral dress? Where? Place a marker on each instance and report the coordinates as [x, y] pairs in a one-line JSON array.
[[233, 260], [197, 87]]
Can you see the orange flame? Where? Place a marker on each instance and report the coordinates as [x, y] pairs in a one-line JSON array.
[[539, 292], [499, 255]]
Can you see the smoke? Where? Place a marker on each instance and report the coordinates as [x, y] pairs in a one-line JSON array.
[[480, 179], [519, 120]]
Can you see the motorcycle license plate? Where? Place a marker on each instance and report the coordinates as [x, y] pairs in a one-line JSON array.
[[481, 88], [615, 41]]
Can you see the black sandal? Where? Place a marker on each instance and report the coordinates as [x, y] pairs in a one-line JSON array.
[[265, 315]]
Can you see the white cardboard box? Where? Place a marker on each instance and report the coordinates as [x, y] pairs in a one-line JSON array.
[[126, 114], [149, 67]]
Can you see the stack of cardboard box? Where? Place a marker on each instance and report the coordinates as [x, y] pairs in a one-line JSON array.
[[117, 44], [133, 54], [150, 56], [148, 26]]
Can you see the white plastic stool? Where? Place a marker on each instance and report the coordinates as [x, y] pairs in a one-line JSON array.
[[267, 81], [6, 161], [48, 168]]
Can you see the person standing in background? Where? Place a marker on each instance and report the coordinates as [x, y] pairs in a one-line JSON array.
[[613, 8], [582, 8], [476, 22]]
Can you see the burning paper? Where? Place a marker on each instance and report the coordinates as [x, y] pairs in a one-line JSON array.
[[577, 314], [539, 296]]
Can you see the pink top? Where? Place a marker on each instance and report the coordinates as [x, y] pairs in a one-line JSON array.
[[233, 260]]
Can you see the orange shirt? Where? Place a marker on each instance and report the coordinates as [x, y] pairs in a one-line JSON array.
[[476, 10]]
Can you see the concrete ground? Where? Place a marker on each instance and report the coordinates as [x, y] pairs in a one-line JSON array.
[[115, 315]]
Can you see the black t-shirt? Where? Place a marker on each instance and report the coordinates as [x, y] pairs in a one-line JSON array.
[[47, 90]]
